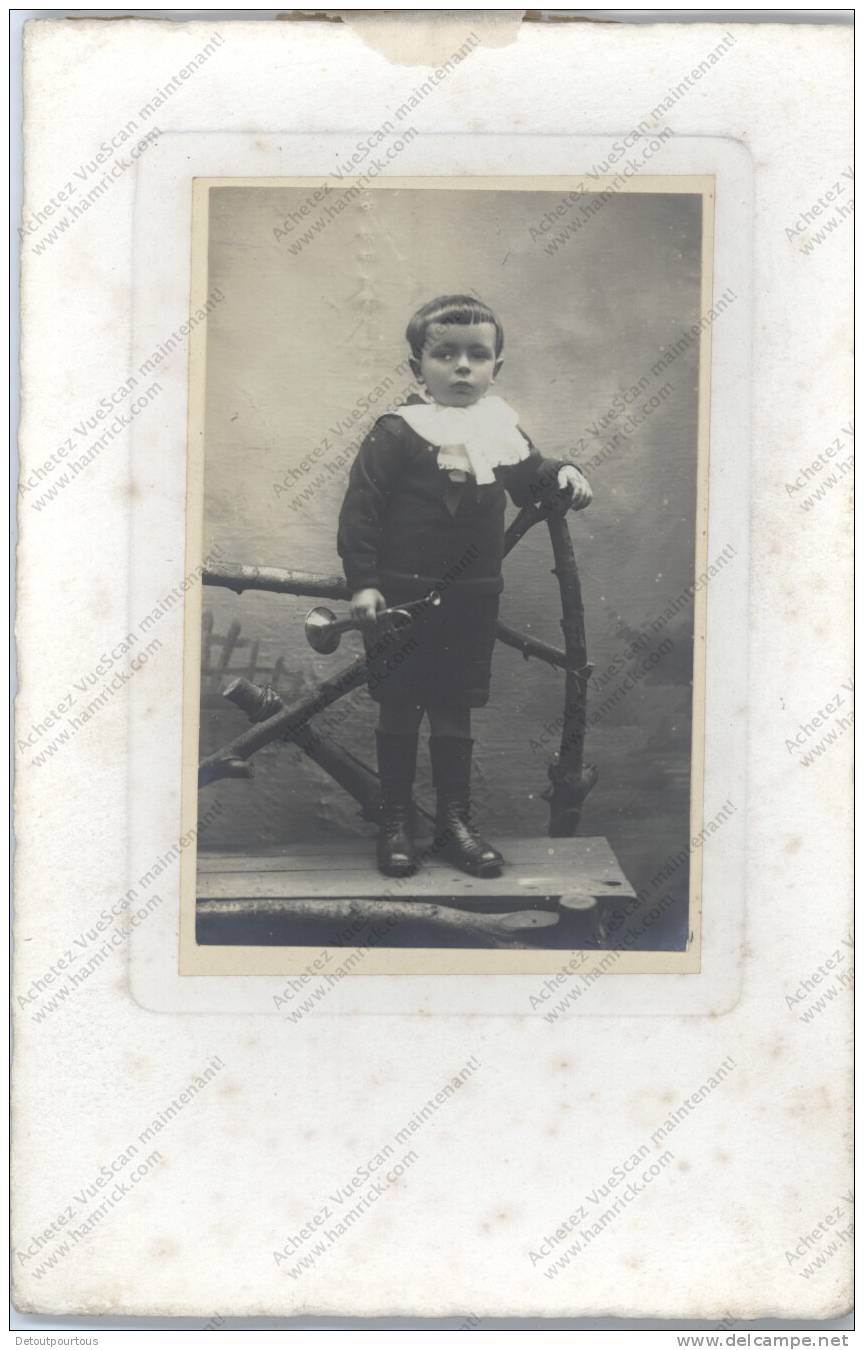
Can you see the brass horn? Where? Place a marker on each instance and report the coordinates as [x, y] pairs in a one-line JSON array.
[[324, 629]]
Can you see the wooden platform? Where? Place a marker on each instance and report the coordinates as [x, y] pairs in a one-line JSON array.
[[550, 895]]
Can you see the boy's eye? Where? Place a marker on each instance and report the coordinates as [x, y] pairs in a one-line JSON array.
[[447, 354]]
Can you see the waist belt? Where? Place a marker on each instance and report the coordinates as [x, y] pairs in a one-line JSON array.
[[418, 584]]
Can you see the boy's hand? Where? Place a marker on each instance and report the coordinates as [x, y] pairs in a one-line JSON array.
[[577, 487], [365, 606]]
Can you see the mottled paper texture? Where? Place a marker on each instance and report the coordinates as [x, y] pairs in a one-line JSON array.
[[423, 1148]]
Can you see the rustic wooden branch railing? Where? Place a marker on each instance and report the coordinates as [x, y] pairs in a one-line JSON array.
[[570, 779], [283, 724], [492, 930], [241, 577]]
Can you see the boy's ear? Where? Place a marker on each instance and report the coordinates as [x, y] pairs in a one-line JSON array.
[[497, 367], [415, 368]]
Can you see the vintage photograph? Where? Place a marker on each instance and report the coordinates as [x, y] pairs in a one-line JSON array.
[[433, 902], [448, 477]]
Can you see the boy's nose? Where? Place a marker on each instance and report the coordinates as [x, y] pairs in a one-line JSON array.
[[462, 363]]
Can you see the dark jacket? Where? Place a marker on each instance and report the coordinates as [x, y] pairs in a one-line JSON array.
[[405, 521]]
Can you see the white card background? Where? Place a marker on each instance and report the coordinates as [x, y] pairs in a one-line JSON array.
[[277, 1119]]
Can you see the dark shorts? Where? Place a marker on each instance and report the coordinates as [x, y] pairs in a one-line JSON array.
[[443, 656]]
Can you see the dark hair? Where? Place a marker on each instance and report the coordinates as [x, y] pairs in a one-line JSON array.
[[451, 309]]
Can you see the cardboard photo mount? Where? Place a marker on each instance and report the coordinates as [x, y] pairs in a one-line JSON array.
[[731, 1075], [718, 770]]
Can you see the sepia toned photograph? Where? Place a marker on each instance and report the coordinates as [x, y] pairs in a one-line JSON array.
[[449, 454], [434, 506]]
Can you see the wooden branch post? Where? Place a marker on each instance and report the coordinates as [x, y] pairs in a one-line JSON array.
[[287, 722], [240, 577], [344, 768], [530, 646], [571, 779], [491, 930], [520, 525]]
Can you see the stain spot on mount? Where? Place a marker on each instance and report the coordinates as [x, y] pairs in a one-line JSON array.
[[164, 1249]]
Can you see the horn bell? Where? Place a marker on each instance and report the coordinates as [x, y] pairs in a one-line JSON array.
[[322, 630]]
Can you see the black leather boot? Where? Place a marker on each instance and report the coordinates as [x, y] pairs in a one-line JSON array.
[[456, 836], [397, 761]]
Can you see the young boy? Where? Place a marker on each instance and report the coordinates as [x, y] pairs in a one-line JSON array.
[[424, 511]]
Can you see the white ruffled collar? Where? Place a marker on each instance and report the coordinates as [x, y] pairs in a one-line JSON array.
[[477, 440]]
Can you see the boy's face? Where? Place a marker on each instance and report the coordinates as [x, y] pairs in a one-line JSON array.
[[458, 362]]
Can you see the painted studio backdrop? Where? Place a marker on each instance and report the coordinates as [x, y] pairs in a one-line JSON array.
[[305, 348]]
